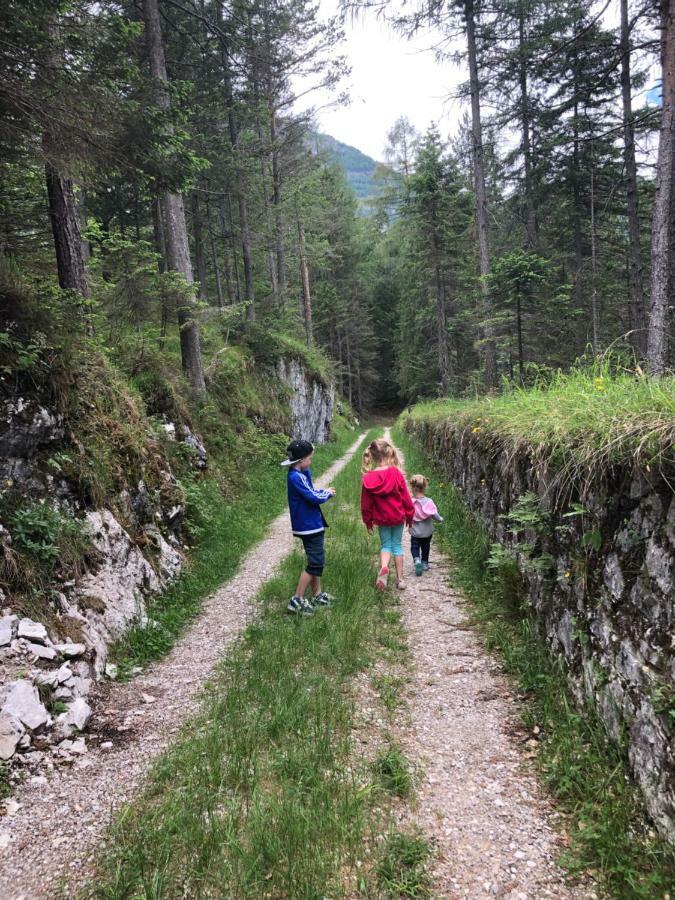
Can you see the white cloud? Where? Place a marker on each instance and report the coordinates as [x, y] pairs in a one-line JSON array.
[[391, 76]]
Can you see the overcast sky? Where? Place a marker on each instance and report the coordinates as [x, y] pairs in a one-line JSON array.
[[391, 76]]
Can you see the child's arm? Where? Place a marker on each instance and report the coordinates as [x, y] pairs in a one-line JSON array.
[[435, 514], [408, 505], [367, 508], [313, 495]]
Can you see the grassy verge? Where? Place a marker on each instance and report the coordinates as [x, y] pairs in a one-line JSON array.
[[583, 417], [585, 771], [226, 532], [261, 796]]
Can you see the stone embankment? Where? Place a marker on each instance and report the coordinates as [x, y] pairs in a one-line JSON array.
[[596, 554]]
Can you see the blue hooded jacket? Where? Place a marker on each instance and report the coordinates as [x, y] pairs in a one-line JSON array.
[[304, 503]]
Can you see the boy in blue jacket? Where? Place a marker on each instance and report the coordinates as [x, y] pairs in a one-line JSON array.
[[308, 523]]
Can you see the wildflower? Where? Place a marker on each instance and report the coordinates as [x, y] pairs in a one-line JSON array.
[[599, 383], [475, 429], [482, 481], [568, 574]]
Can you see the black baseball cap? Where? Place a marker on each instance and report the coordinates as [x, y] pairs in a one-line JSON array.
[[297, 450]]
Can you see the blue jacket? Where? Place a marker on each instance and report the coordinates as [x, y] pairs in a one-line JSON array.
[[304, 503]]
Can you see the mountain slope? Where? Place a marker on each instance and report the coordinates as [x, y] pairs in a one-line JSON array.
[[358, 166]]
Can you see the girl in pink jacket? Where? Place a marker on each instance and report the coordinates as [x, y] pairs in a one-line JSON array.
[[422, 527]]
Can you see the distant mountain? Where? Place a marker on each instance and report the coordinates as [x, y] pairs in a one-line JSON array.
[[358, 167]]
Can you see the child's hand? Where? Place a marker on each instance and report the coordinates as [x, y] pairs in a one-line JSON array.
[[331, 491]]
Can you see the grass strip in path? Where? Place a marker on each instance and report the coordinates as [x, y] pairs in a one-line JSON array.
[[228, 532], [586, 772], [260, 797]]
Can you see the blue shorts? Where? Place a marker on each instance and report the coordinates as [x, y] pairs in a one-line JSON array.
[[391, 537], [316, 557]]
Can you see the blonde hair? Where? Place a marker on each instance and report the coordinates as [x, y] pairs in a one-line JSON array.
[[380, 453], [419, 483]]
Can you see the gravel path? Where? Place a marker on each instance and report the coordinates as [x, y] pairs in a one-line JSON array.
[[46, 848], [479, 800]]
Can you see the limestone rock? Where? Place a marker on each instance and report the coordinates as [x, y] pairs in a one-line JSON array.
[[77, 715], [33, 631], [119, 585], [6, 623], [660, 565], [311, 402], [613, 576], [26, 427], [11, 732], [192, 440], [70, 650], [64, 674], [63, 693], [40, 651], [22, 701]]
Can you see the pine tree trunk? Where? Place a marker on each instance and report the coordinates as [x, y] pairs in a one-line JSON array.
[[244, 229], [65, 224], [636, 309], [233, 289], [531, 228], [577, 214], [278, 211], [200, 254], [519, 331], [595, 311], [489, 349], [214, 256], [158, 231], [63, 211], [441, 323], [304, 277], [664, 204], [175, 229]]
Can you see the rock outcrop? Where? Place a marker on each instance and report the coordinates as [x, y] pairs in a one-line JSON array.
[[311, 401], [597, 559]]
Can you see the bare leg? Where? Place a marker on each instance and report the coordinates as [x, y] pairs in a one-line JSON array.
[[398, 561], [305, 579], [385, 556], [316, 585]]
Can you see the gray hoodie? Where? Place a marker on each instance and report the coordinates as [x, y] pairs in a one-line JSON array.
[[425, 516]]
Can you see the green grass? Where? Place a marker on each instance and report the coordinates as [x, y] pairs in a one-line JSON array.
[[585, 771], [224, 533], [587, 415], [261, 796], [402, 870], [392, 772]]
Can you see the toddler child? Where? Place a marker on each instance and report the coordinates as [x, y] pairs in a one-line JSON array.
[[308, 523], [385, 502], [422, 527]]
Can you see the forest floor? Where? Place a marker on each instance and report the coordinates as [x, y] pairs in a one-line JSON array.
[[46, 848], [477, 801]]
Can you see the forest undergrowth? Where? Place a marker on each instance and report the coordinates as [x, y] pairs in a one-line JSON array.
[[587, 773], [262, 796]]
